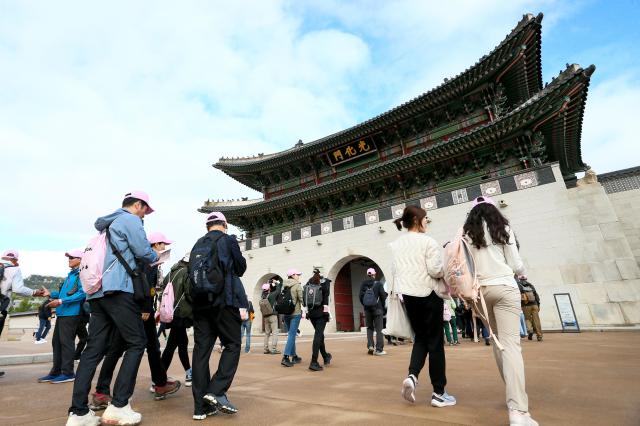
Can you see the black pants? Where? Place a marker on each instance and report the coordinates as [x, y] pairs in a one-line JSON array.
[[177, 339], [3, 315], [64, 340], [82, 334], [425, 315], [208, 325], [373, 321], [116, 349], [319, 324], [116, 311]]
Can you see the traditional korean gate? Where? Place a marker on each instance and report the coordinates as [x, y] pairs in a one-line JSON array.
[[344, 300]]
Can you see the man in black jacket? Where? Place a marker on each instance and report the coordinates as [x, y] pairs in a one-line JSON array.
[[372, 297], [530, 302], [220, 316], [317, 311]]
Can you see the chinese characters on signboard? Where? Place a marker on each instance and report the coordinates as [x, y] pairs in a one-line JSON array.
[[351, 151]]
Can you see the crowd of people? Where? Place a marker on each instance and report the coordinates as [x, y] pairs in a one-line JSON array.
[[203, 290]]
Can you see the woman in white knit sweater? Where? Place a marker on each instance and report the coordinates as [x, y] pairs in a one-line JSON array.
[[493, 245], [417, 269]]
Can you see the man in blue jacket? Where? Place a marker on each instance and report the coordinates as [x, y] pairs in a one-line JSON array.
[[68, 302], [218, 317], [113, 308]]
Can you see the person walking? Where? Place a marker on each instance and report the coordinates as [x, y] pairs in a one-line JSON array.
[[530, 302], [68, 302], [246, 328], [417, 269], [270, 291], [373, 298], [44, 316], [113, 309], [182, 318], [451, 307], [316, 308], [290, 304], [493, 247], [218, 313]]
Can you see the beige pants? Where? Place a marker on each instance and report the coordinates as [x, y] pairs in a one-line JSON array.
[[503, 304], [532, 318], [271, 329]]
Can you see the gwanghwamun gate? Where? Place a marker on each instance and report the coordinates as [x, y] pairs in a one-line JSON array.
[[495, 130]]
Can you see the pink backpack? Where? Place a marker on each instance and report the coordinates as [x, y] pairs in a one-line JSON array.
[[460, 276], [166, 305], [92, 263]]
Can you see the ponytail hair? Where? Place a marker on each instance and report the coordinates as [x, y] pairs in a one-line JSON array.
[[411, 216]]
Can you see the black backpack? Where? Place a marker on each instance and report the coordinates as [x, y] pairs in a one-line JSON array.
[[284, 302], [370, 300], [312, 295], [205, 270]]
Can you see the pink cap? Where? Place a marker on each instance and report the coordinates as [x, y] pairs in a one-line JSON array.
[[11, 254], [483, 200], [266, 286], [140, 195], [215, 216], [293, 271], [371, 271], [75, 253], [158, 237]]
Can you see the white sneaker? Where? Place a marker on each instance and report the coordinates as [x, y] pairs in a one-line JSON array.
[[409, 388], [40, 342], [120, 416], [444, 400], [520, 418], [89, 419], [152, 388]]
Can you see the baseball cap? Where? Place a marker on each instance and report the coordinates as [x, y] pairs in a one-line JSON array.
[[266, 286], [77, 253], [215, 216], [371, 271], [11, 254], [140, 195], [158, 237], [483, 200], [293, 271]]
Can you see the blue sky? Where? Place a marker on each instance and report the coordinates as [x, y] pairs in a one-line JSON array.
[[100, 99]]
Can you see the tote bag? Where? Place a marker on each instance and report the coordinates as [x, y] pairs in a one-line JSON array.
[[398, 324]]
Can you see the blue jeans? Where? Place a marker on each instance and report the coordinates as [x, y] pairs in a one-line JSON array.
[[292, 322], [246, 327], [43, 329], [523, 326]]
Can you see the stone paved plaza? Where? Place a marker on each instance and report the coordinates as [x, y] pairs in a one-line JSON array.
[[572, 379]]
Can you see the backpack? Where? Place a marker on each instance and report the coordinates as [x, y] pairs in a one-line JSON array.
[[205, 270], [265, 306], [284, 302], [166, 304], [92, 263], [181, 283], [446, 313], [462, 281], [369, 299], [312, 294]]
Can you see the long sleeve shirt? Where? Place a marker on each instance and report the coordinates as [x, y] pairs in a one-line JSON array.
[[71, 295], [13, 282], [417, 265], [497, 263]]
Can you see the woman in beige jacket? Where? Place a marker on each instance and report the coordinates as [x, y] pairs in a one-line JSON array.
[[417, 269]]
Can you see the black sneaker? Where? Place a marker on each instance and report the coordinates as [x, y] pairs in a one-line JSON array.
[[221, 403], [539, 338], [530, 337], [201, 416], [286, 362], [1, 373], [314, 366], [296, 359], [327, 360], [370, 351]]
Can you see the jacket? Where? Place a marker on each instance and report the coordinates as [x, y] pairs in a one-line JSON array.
[[234, 265], [378, 290], [128, 236], [318, 311], [272, 295], [296, 294], [496, 263], [526, 288], [71, 294], [148, 305], [13, 282], [44, 312], [417, 266]]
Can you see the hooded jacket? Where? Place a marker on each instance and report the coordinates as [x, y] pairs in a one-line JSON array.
[[128, 236], [71, 294], [296, 294], [12, 281]]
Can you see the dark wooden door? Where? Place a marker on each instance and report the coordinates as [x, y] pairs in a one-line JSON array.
[[344, 300]]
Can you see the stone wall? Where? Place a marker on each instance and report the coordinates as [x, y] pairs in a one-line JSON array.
[[579, 241]]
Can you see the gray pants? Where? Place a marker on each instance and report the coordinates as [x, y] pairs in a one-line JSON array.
[[271, 329], [503, 304], [373, 321]]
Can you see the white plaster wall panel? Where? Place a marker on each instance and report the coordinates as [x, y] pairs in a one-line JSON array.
[[612, 230], [607, 314], [628, 268], [631, 311], [625, 291], [605, 271]]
